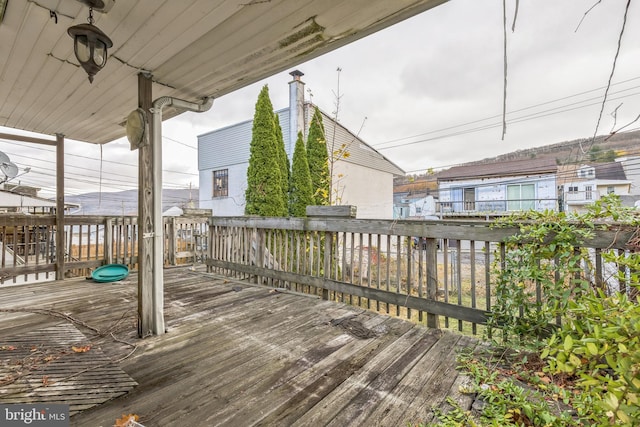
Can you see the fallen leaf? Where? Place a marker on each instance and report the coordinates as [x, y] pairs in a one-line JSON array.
[[545, 379], [125, 420], [82, 349], [8, 347], [45, 380]]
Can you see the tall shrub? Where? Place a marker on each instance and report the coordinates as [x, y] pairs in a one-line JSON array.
[[318, 158], [264, 195], [283, 160], [301, 192]]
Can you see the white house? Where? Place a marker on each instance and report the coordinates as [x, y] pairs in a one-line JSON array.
[[583, 184], [498, 187], [363, 179]]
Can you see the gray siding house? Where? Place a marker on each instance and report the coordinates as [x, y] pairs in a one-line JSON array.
[[363, 179], [499, 187]]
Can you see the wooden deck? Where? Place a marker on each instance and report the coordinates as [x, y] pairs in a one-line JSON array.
[[235, 355]]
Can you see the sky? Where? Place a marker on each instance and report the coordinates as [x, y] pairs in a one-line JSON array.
[[427, 92]]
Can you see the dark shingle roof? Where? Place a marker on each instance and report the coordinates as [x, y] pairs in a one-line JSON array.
[[497, 169], [612, 170]]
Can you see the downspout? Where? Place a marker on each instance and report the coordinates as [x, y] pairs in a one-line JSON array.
[[158, 229]]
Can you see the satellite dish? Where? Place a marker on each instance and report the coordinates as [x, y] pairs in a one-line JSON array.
[[4, 158], [10, 170]]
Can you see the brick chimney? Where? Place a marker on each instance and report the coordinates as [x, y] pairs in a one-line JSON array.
[[296, 109]]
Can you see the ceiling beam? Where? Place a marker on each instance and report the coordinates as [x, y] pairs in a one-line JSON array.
[[23, 138]]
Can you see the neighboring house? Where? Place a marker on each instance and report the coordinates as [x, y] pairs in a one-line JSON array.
[[363, 179], [26, 201], [415, 199], [498, 187], [414, 206], [583, 184], [631, 165]]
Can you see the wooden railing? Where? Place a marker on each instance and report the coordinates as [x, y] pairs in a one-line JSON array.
[[28, 244], [435, 272]]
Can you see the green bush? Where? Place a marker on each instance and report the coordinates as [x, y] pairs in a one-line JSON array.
[[546, 302]]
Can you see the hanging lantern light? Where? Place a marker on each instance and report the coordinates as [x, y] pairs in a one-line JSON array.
[[90, 46]]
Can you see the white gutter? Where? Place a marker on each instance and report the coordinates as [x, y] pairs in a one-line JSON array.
[[158, 231]]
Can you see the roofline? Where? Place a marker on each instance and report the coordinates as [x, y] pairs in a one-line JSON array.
[[356, 137]]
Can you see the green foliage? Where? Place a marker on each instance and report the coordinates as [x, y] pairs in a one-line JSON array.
[[264, 194], [598, 155], [505, 400], [598, 344], [301, 192], [540, 272], [283, 161], [318, 158]]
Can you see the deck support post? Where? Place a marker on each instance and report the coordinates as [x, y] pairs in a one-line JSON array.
[[145, 215], [59, 206]]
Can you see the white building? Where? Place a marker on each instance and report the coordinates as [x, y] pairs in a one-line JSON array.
[[502, 187], [363, 179], [581, 185]]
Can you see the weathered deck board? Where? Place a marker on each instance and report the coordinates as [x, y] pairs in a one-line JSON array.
[[239, 354]]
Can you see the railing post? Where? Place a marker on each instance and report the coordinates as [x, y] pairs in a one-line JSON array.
[[260, 242], [328, 256], [108, 241], [171, 246], [432, 279], [210, 244]]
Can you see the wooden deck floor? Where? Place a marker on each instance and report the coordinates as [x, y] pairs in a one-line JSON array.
[[241, 355]]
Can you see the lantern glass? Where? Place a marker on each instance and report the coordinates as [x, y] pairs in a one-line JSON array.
[[83, 50], [100, 53]]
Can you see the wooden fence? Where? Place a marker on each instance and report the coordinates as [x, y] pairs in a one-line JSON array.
[[435, 272], [28, 244]]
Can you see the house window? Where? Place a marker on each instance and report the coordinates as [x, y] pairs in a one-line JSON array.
[[611, 190], [221, 183], [573, 189], [588, 192], [418, 210], [469, 199], [521, 197], [587, 172]]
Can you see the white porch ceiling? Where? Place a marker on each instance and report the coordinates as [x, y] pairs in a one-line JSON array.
[[193, 48]]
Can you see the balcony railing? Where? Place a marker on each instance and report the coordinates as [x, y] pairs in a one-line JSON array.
[[28, 244], [435, 272], [442, 278]]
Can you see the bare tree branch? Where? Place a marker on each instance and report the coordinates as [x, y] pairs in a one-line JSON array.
[[515, 16], [625, 126], [614, 114], [585, 15], [613, 68]]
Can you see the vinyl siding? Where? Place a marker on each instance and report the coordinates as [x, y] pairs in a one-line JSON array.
[[231, 145]]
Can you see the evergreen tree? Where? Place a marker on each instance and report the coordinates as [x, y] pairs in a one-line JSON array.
[[264, 194], [301, 192], [284, 164], [318, 160]]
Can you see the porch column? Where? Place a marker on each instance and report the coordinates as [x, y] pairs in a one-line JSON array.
[[146, 325], [59, 206]]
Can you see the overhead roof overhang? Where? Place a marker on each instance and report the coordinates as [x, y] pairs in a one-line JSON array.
[[193, 48]]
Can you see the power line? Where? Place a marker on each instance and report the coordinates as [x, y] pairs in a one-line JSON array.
[[513, 112]]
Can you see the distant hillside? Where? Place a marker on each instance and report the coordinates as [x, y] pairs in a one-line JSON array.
[[623, 144], [126, 202], [567, 152]]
